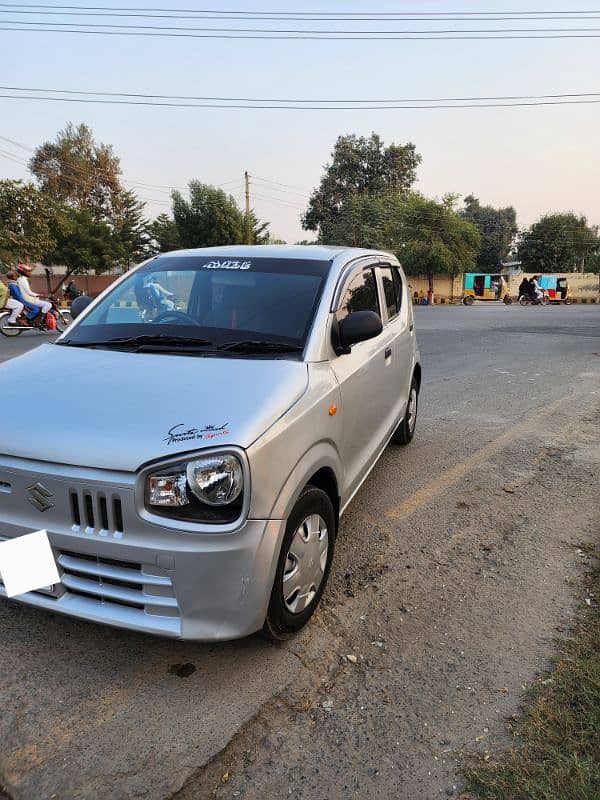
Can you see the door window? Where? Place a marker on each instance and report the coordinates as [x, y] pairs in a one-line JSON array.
[[392, 290], [360, 295]]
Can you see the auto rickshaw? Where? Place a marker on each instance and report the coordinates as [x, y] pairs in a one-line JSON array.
[[557, 289], [485, 287]]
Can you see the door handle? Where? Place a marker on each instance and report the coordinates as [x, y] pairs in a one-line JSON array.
[[412, 326], [388, 353]]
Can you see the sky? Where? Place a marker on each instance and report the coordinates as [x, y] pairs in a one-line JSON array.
[[537, 159]]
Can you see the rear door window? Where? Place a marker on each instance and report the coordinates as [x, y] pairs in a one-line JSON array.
[[392, 290]]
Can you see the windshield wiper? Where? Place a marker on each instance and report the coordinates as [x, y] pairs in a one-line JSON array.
[[258, 346], [144, 342]]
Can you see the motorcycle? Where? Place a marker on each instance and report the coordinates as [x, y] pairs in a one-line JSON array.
[[530, 300], [41, 323]]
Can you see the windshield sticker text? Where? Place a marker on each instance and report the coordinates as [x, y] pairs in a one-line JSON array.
[[180, 433], [229, 264]]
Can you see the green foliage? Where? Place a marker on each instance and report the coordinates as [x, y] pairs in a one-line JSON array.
[[254, 231], [498, 228], [559, 243], [428, 236], [164, 234], [25, 222], [76, 170], [83, 244], [435, 238], [362, 220], [359, 166], [131, 229], [209, 218]]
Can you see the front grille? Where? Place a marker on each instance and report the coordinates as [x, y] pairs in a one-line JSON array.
[[108, 580], [96, 513]]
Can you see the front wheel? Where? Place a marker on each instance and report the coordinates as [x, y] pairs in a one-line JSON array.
[[524, 301], [406, 430], [468, 300], [304, 564], [5, 330], [545, 301], [507, 300]]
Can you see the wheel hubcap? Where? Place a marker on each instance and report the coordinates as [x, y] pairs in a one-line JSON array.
[[305, 564], [412, 409]]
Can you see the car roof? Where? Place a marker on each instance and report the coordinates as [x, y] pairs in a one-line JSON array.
[[298, 251]]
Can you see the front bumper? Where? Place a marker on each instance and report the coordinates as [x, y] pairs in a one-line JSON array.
[[119, 569]]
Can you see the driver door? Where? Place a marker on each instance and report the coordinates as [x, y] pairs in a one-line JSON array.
[[364, 384]]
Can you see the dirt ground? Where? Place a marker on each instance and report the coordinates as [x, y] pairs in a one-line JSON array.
[[456, 566]]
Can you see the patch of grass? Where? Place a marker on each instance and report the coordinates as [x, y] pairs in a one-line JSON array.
[[558, 752]]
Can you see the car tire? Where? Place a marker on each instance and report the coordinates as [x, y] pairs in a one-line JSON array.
[[302, 550], [406, 429], [468, 300]]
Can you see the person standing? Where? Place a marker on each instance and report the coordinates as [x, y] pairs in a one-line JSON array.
[[30, 296]]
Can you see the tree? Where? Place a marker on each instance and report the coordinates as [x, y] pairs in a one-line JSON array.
[[362, 166], [559, 243], [434, 238], [209, 218], [76, 170], [164, 234], [132, 230], [259, 231], [361, 221], [498, 228], [25, 222], [83, 244]]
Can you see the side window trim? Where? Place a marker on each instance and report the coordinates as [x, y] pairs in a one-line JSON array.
[[348, 274]]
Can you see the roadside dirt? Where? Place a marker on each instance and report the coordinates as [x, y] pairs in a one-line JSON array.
[[441, 614]]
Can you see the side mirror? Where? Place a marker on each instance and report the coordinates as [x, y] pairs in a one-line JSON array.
[[358, 327], [79, 304]]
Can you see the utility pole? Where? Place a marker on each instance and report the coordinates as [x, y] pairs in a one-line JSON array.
[[247, 192]]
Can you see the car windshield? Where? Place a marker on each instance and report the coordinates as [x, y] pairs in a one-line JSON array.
[[205, 303]]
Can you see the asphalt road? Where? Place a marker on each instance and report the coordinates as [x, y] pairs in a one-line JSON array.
[[456, 564]]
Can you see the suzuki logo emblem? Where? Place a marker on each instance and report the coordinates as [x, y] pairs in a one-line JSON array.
[[39, 496]]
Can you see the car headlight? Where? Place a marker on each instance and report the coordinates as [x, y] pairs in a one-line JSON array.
[[216, 480], [206, 489]]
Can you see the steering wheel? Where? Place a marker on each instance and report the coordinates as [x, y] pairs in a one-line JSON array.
[[175, 316]]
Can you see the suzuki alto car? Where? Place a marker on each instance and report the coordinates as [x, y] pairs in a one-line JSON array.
[[203, 425]]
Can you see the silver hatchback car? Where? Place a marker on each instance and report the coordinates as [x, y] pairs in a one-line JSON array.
[[205, 422]]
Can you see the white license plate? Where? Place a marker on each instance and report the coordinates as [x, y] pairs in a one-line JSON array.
[[27, 564]]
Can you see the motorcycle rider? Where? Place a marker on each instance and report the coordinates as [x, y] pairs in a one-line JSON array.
[[16, 295], [71, 292], [539, 294], [6, 301], [30, 296], [525, 287]]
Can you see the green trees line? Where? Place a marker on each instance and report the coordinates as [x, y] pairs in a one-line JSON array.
[[76, 212]]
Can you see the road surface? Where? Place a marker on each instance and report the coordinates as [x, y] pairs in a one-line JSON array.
[[456, 566]]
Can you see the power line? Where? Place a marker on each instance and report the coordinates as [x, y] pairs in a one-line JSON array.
[[300, 101], [323, 36], [305, 16], [313, 14], [289, 107], [101, 27]]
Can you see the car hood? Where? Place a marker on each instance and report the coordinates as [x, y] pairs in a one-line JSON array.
[[117, 410]]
